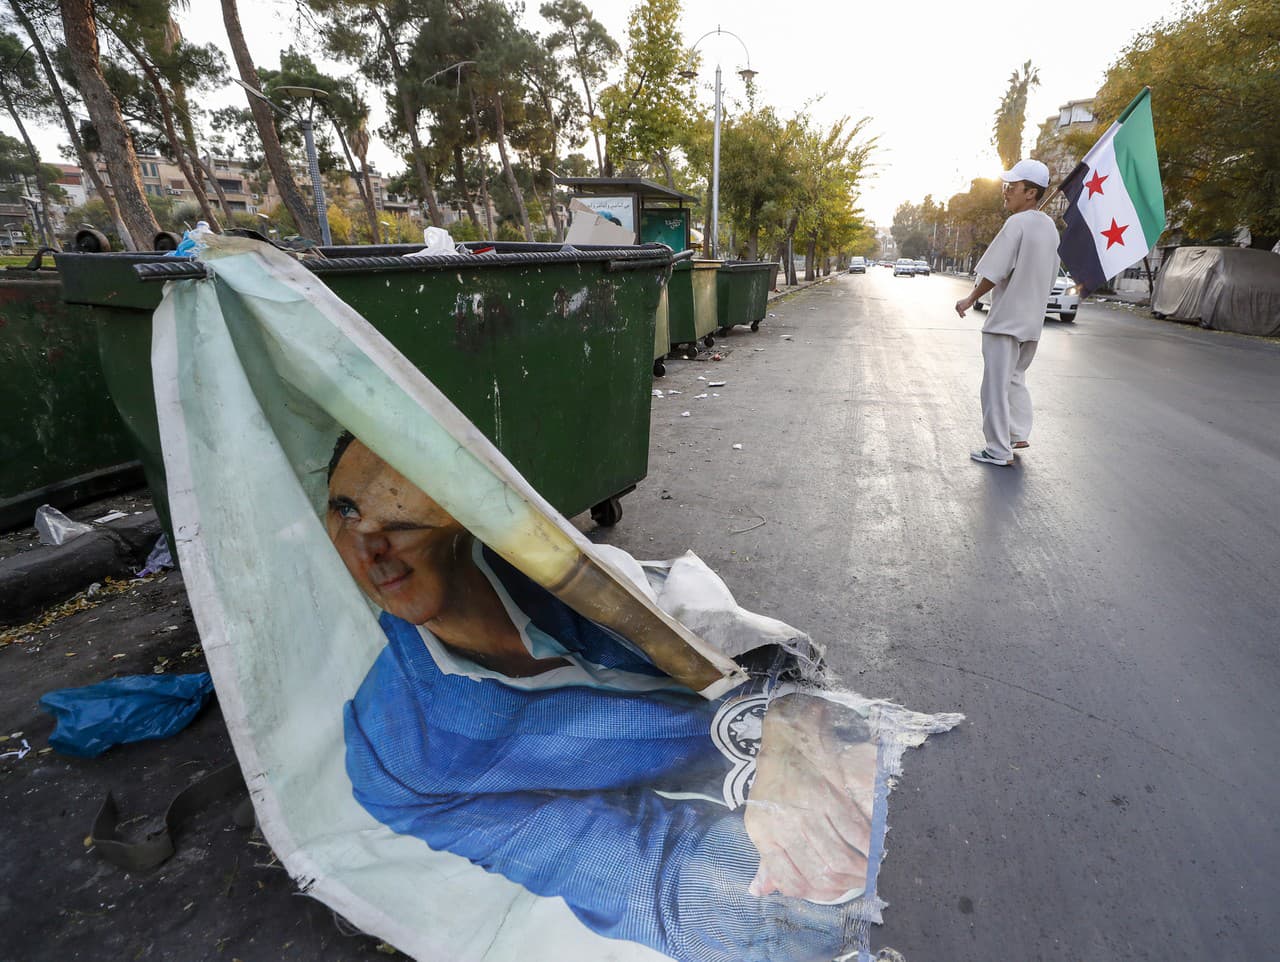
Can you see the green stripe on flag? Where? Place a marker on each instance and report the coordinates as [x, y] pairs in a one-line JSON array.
[[1135, 147]]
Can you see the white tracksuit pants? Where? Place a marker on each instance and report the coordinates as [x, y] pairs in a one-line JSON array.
[[1006, 403]]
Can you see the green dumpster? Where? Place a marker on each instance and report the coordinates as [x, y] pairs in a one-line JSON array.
[[547, 350], [742, 293], [62, 440], [692, 303], [662, 334]]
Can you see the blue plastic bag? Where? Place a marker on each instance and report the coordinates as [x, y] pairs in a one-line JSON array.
[[133, 708]]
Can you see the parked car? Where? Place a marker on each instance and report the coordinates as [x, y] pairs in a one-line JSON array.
[[1064, 299], [922, 267], [857, 265], [904, 267]]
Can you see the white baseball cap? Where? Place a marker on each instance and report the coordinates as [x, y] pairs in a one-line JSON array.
[[1031, 170]]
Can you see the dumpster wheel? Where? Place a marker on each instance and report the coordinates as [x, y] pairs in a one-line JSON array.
[[608, 512], [659, 368], [709, 340], [755, 325], [691, 350]]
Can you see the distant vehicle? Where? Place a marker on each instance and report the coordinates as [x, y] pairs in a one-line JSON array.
[[12, 238], [904, 267], [1064, 299], [857, 265], [922, 267]]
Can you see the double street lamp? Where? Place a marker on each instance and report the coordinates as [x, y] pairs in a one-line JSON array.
[[747, 75]]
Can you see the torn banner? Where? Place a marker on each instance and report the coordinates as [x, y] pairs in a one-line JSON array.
[[467, 729]]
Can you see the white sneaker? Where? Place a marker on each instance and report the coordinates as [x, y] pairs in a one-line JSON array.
[[986, 457]]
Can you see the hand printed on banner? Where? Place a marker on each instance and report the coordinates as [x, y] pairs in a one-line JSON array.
[[810, 806]]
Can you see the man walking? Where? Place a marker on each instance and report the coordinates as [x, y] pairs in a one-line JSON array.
[[1019, 268]]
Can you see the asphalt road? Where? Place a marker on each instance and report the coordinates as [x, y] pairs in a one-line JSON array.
[[1105, 613]]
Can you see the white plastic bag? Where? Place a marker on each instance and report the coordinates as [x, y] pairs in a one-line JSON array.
[[438, 242], [56, 528]]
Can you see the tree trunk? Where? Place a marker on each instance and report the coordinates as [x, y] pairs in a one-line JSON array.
[[360, 144], [366, 198], [87, 163], [811, 252], [171, 132], [460, 175], [81, 35], [409, 114], [303, 217], [508, 172], [41, 219], [212, 177], [665, 160], [484, 166]]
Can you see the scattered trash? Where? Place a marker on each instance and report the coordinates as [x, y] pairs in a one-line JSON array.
[[699, 397], [773, 315], [717, 383], [56, 528], [737, 447], [717, 357], [684, 414], [757, 349], [160, 559], [657, 393], [714, 394], [193, 241], [134, 708], [785, 337], [702, 377], [665, 496], [112, 516], [93, 590], [669, 393], [17, 753]]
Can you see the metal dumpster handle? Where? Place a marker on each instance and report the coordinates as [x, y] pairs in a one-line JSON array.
[[177, 269]]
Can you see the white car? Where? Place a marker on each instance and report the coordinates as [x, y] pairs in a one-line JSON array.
[[1064, 299], [904, 267]]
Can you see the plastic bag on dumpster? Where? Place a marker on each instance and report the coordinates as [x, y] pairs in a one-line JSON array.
[[611, 786], [438, 241], [56, 528], [118, 711]]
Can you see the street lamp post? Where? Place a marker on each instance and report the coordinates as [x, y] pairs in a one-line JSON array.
[[310, 94], [747, 74]]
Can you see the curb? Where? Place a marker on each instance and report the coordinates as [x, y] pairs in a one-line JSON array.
[[802, 286], [35, 579]]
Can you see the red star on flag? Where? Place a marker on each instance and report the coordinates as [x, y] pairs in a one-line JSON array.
[[1095, 184], [1115, 235]]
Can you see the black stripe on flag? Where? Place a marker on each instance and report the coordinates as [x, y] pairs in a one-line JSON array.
[[1077, 248]]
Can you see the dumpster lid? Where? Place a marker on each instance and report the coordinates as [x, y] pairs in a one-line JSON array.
[[647, 189]]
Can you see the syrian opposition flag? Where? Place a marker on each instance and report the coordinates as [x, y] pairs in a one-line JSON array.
[[1115, 208]]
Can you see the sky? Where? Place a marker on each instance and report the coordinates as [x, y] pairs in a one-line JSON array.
[[929, 74]]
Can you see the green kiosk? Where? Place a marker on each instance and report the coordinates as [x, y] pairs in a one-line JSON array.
[[630, 210]]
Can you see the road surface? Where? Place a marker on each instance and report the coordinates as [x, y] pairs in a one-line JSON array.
[[1106, 613]]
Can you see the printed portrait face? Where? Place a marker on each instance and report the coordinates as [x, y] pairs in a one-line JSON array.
[[402, 548]]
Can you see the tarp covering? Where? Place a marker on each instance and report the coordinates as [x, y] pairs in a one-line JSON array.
[[589, 807], [1222, 288]]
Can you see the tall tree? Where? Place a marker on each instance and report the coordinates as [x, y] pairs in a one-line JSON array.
[[830, 164], [757, 165], [378, 36], [303, 216], [1011, 115], [46, 10], [652, 108], [1213, 73], [24, 95], [81, 33], [590, 50]]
